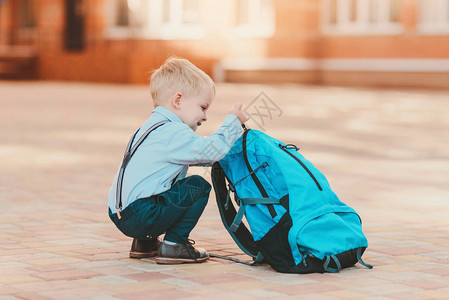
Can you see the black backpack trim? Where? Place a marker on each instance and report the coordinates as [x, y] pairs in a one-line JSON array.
[[254, 176]]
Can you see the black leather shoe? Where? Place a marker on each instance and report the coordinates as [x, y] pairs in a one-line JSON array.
[[144, 248], [180, 253]]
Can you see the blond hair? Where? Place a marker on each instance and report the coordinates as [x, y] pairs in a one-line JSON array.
[[178, 75]]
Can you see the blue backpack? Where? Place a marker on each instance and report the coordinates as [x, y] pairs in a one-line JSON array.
[[297, 223]]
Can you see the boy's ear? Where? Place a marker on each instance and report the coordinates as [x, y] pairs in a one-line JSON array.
[[176, 100]]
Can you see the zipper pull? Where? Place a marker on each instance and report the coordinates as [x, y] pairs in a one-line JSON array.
[[289, 146]]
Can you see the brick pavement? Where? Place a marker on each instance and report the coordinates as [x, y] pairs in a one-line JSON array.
[[384, 151]]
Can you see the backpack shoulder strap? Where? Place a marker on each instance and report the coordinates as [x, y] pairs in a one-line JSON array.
[[241, 235], [130, 150]]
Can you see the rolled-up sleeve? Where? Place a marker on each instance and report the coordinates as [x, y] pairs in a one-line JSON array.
[[186, 147]]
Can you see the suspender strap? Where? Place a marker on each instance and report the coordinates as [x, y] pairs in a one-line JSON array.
[[126, 157]]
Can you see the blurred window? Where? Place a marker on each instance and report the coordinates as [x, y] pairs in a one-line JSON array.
[[361, 16], [332, 12], [175, 19], [124, 18], [128, 13], [154, 19], [434, 16], [25, 27], [190, 12], [121, 13], [27, 13], [254, 18], [179, 12]]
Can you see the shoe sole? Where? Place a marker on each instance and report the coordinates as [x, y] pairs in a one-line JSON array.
[[175, 261], [135, 254]]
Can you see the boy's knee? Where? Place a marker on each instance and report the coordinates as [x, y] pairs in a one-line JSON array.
[[201, 182]]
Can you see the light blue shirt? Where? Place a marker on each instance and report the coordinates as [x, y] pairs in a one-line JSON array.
[[167, 153]]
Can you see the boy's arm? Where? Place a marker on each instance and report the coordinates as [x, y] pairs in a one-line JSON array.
[[186, 147], [201, 165]]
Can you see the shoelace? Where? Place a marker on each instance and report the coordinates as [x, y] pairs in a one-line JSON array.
[[190, 248]]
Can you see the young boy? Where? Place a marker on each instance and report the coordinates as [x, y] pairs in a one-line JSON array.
[[156, 197]]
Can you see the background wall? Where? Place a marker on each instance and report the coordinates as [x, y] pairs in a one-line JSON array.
[[337, 42]]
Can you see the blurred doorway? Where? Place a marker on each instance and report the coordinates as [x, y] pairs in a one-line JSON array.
[[74, 37]]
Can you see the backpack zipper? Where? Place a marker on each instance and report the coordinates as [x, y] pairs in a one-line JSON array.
[[263, 165], [289, 146]]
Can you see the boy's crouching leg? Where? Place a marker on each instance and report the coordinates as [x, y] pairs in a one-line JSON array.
[[176, 247], [188, 196], [197, 186]]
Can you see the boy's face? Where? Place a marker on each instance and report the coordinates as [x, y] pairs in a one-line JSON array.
[[192, 109]]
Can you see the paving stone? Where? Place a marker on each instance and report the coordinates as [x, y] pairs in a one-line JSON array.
[[428, 284], [438, 271], [263, 293], [49, 268], [386, 289], [32, 296], [153, 286], [162, 295], [69, 274], [40, 286], [4, 291], [9, 297], [116, 270], [405, 276], [113, 279], [12, 265], [219, 278], [84, 293], [148, 276], [180, 282], [106, 297], [427, 294], [347, 294], [396, 268], [312, 296], [150, 267], [286, 279], [307, 288], [52, 261], [87, 265], [17, 279], [208, 268]]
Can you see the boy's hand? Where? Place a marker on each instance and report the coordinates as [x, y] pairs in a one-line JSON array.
[[241, 115]]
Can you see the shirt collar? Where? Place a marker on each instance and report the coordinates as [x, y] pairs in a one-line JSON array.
[[167, 114]]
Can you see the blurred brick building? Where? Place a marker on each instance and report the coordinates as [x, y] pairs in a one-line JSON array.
[[342, 42]]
